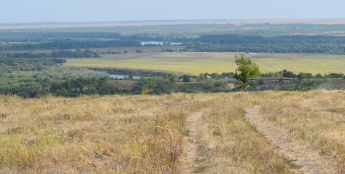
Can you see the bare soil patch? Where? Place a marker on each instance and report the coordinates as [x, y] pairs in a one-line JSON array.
[[196, 146]]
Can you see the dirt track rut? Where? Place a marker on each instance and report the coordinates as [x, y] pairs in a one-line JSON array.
[[309, 159], [194, 155]]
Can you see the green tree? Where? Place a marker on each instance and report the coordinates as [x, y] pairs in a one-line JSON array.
[[214, 75], [318, 76], [246, 69], [185, 78], [172, 78], [301, 76]]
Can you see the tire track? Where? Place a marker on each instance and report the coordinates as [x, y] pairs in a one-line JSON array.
[[309, 159], [195, 147]]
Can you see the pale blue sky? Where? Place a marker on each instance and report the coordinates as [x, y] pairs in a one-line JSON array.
[[34, 11]]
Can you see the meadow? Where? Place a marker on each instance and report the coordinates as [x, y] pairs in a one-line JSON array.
[[147, 134], [199, 62]]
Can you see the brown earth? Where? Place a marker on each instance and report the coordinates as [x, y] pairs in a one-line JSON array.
[[193, 138]]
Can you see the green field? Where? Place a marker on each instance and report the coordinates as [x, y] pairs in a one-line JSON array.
[[200, 62]]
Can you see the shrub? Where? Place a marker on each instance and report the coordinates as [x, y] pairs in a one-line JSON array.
[[217, 84], [261, 82]]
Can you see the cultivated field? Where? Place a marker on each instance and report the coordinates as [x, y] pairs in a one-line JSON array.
[[178, 133], [197, 62]]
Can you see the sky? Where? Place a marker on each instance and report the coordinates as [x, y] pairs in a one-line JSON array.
[[56, 11]]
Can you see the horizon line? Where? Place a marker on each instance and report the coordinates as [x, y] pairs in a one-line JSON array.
[[168, 20]]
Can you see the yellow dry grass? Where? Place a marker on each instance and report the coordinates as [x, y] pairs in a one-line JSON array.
[[123, 134], [315, 117], [197, 62], [144, 134]]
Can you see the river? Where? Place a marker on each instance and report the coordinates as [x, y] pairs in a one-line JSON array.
[[123, 76]]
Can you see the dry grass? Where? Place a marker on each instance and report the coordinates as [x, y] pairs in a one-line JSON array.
[[316, 117], [237, 146], [198, 62], [124, 134], [144, 134]]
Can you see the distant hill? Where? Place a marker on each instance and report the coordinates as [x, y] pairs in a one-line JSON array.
[[177, 22]]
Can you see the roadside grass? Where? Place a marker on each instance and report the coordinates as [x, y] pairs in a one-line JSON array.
[[315, 117], [201, 62]]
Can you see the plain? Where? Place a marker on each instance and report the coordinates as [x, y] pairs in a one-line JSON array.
[[201, 62]]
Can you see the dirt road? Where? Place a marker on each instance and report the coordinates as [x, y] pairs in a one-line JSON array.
[[300, 152]]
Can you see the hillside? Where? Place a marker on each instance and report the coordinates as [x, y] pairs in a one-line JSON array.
[[178, 133], [333, 84]]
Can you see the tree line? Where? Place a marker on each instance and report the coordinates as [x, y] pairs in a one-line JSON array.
[[260, 44], [92, 85], [33, 61], [29, 35], [269, 48], [56, 54], [69, 44], [289, 74]]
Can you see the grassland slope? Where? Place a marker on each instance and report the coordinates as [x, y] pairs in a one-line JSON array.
[[145, 134]]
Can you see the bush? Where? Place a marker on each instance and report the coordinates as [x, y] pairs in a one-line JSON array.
[[318, 76], [261, 82], [185, 78], [217, 84], [12, 76]]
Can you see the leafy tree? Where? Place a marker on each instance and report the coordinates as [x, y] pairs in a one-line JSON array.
[[214, 75], [301, 76], [318, 76], [185, 78], [288, 74], [172, 78], [247, 69]]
